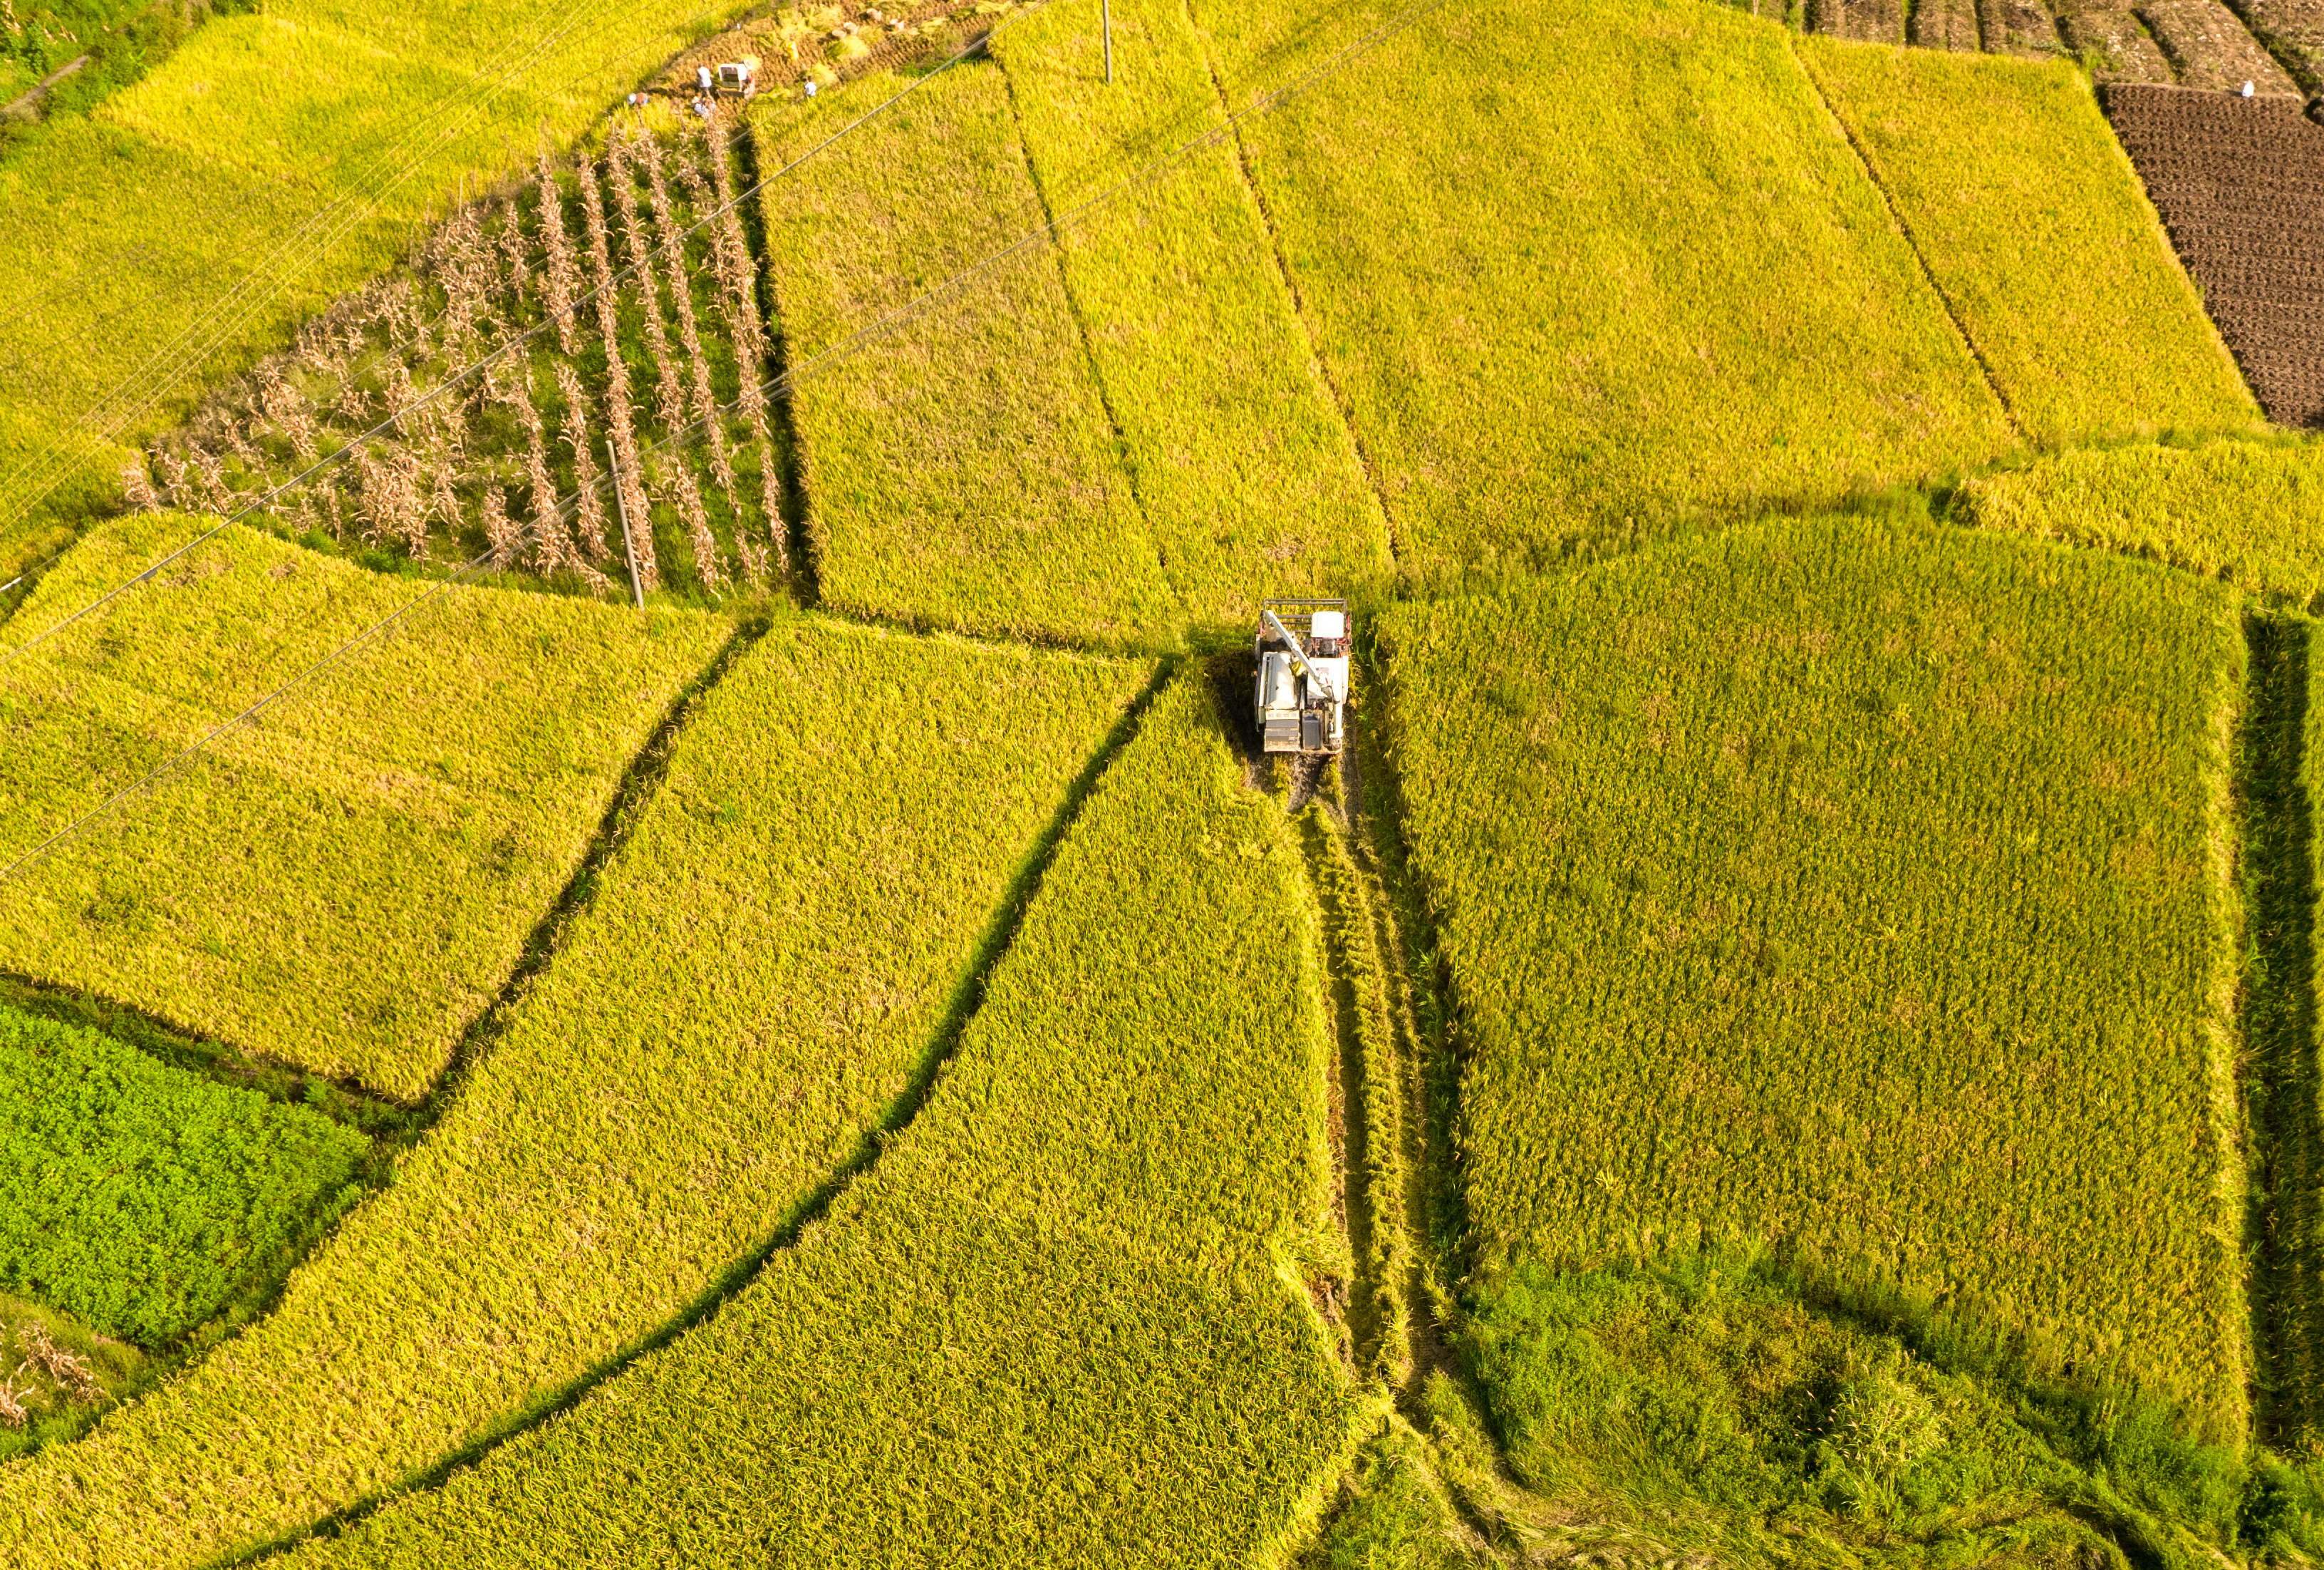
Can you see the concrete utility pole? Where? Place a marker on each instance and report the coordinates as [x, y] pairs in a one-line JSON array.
[[621, 506], [1105, 8]]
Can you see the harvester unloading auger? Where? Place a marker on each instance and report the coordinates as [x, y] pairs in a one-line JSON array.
[[1302, 694]]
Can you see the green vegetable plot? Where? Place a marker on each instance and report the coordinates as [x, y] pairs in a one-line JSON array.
[[138, 1197]]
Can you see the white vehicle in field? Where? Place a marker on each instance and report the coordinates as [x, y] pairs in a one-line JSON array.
[[1302, 694]]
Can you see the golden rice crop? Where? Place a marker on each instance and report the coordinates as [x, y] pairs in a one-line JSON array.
[[762, 971], [959, 466], [1860, 889], [1249, 478], [2033, 223], [344, 883], [2252, 512], [1061, 1321], [1603, 264]]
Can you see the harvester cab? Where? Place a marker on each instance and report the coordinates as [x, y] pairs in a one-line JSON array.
[[1302, 694]]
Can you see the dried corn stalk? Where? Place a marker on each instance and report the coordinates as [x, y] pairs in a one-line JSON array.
[[561, 282], [72, 1373], [620, 415], [672, 246], [137, 487], [670, 396], [501, 534], [738, 286]]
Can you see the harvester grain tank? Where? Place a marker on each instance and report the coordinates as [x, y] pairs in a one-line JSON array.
[[1301, 696]]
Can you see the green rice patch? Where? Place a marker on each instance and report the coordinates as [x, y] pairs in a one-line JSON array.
[[138, 1197]]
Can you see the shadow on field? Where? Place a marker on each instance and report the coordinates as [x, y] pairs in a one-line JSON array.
[[2279, 1031], [967, 998]]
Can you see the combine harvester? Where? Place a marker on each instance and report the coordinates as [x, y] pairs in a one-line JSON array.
[[1301, 697]]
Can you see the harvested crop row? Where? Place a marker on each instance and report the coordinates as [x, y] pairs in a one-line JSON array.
[[1250, 480], [1060, 1322], [2252, 512], [2237, 184], [271, 164], [2032, 222], [1861, 890], [647, 356], [342, 883], [1667, 288], [959, 466], [762, 970], [139, 1198]]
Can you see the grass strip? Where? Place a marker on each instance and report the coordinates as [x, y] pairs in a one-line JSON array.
[[1061, 1321], [751, 989], [1862, 888], [341, 883]]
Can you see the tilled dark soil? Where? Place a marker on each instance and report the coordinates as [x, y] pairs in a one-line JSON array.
[[2240, 185]]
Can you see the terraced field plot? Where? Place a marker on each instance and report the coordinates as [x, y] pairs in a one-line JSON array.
[[2010, 185], [1062, 1320], [342, 883], [182, 229], [2251, 513], [959, 464], [1771, 867], [585, 348], [1246, 473], [755, 987], [2277, 45], [1580, 333], [945, 1110]]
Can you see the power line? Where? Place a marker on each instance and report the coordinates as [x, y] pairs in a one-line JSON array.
[[612, 281], [559, 513]]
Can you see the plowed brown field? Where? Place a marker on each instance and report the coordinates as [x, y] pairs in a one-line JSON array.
[[2240, 185]]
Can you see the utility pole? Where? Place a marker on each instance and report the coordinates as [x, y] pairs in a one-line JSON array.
[[621, 506], [1105, 8]]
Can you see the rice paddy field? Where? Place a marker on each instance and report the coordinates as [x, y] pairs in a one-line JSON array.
[[393, 835], [1811, 889], [683, 955]]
